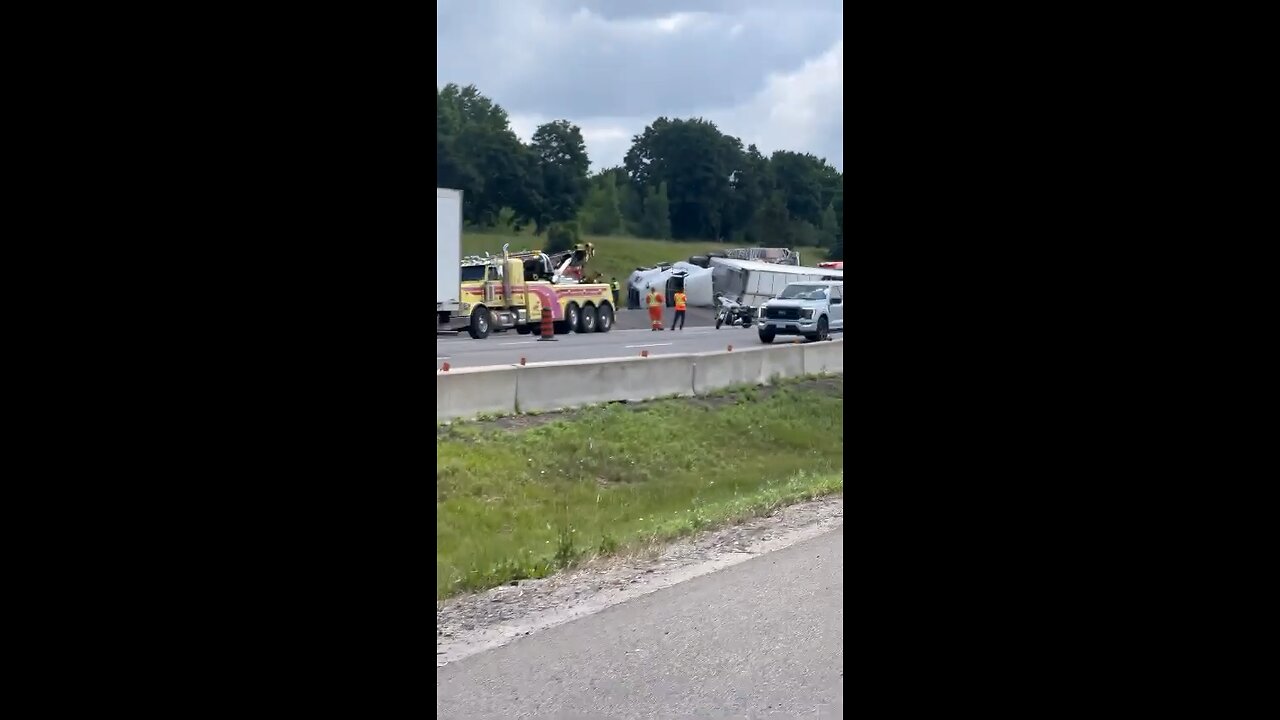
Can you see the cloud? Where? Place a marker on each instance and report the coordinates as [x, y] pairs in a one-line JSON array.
[[769, 73]]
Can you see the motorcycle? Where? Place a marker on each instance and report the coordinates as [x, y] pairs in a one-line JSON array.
[[733, 313]]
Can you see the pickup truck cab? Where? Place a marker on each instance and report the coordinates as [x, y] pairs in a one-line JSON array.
[[810, 308]]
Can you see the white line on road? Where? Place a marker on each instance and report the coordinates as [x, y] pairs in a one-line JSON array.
[[648, 345], [446, 357], [519, 342]]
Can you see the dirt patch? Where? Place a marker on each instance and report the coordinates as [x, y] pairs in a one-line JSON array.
[[827, 385]]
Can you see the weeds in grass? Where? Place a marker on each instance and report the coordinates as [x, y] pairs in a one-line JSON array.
[[522, 504]]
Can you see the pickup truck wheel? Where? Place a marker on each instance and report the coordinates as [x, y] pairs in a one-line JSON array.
[[480, 323], [822, 331], [766, 337]]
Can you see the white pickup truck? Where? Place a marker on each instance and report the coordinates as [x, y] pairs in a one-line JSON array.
[[812, 308]]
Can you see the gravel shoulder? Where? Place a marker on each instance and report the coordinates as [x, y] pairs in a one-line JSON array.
[[469, 624]]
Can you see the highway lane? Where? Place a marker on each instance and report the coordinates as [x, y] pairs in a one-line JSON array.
[[507, 348], [762, 639]]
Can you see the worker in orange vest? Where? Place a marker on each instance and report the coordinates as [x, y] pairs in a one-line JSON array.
[[654, 301], [679, 316]]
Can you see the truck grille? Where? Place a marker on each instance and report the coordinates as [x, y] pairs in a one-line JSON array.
[[781, 313]]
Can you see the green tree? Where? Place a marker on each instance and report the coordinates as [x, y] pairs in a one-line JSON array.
[[477, 152], [657, 213], [749, 186], [837, 247], [772, 223], [697, 163], [602, 212], [829, 228], [799, 178], [561, 236], [562, 163]]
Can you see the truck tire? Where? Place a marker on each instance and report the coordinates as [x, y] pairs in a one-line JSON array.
[[587, 319], [480, 323], [604, 319], [571, 318], [766, 336], [822, 333], [523, 329]]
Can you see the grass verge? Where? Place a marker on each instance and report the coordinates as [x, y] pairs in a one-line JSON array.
[[513, 504], [616, 256]]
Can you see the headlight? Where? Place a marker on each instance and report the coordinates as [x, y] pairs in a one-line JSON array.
[[807, 313]]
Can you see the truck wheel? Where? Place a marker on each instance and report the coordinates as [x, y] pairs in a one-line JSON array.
[[822, 331], [604, 323], [719, 321], [571, 317], [480, 322], [523, 329], [587, 319], [746, 322], [766, 336]]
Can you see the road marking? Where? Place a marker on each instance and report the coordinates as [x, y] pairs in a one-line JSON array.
[[648, 345], [446, 357], [519, 342]]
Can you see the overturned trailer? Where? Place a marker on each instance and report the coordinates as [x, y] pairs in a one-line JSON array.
[[666, 279], [751, 282]]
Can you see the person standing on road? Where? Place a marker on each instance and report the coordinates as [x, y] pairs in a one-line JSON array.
[[654, 301], [614, 286], [680, 305]]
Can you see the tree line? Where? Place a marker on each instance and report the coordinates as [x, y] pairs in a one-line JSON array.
[[681, 180]]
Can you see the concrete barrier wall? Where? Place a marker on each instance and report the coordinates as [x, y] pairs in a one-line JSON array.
[[716, 370], [549, 386], [467, 392], [786, 361], [824, 357]]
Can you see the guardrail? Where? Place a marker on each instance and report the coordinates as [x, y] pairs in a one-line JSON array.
[[467, 392]]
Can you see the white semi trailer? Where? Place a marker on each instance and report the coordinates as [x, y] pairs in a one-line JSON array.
[[751, 282], [448, 251]]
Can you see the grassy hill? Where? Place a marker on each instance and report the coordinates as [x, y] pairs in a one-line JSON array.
[[616, 256]]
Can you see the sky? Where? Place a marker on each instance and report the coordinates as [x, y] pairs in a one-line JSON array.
[[768, 72]]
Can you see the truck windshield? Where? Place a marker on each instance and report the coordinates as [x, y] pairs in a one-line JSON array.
[[803, 292]]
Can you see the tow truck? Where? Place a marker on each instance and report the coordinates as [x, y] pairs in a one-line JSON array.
[[484, 294]]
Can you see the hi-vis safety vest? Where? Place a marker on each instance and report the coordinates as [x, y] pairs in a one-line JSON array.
[[654, 300], [680, 301], [614, 285]]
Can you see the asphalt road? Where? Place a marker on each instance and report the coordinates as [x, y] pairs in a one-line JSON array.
[[762, 639], [507, 348]]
